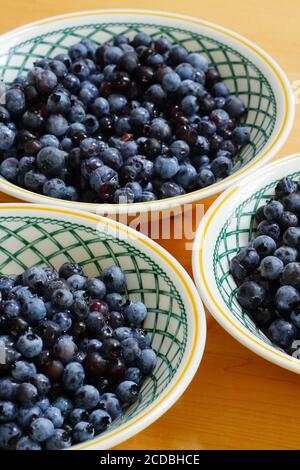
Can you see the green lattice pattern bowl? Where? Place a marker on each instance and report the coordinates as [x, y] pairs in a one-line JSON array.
[[228, 226], [247, 70], [40, 235]]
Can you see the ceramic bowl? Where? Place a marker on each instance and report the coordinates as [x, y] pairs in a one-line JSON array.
[[43, 235], [226, 227], [247, 70]]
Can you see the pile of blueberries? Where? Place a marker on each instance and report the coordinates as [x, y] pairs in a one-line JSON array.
[[134, 121], [75, 355], [267, 271]]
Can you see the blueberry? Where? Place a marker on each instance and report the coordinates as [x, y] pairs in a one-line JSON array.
[[295, 319], [64, 349], [8, 411], [25, 443], [286, 254], [288, 219], [112, 158], [170, 189], [100, 419], [124, 196], [23, 370], [122, 333], [41, 429], [34, 309], [133, 374], [35, 278], [10, 433], [235, 107], [114, 279], [34, 181], [284, 187], [142, 338], [287, 298], [30, 345], [83, 431], [68, 269], [135, 312], [171, 81], [270, 228], [221, 167], [186, 175], [7, 137], [241, 135], [291, 275], [59, 440], [43, 404], [244, 263], [51, 161], [111, 404], [273, 210], [130, 350], [76, 282], [250, 295], [11, 308], [205, 178], [271, 268], [64, 404], [282, 332], [9, 168], [63, 320], [54, 415], [87, 397], [179, 149], [26, 393], [147, 361], [264, 245], [147, 196], [73, 376], [62, 298], [77, 415], [7, 388], [166, 167], [104, 177], [127, 391], [42, 383], [292, 202], [291, 237]]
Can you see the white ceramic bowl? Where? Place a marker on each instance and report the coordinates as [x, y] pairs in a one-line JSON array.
[[45, 235], [247, 70], [226, 227]]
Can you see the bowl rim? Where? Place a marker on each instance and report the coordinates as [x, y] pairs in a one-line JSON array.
[[159, 205], [222, 314], [196, 310]]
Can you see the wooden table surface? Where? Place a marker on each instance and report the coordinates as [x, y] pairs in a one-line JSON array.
[[237, 400]]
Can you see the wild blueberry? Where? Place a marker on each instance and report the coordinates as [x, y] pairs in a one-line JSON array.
[[41, 429], [282, 332], [87, 397], [30, 345], [244, 263], [73, 376], [59, 440], [250, 295], [127, 391], [83, 431], [287, 298], [54, 415], [271, 268]]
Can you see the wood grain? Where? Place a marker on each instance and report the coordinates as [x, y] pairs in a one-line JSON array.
[[237, 400]]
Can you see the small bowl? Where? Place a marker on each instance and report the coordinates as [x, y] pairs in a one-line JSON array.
[[246, 69], [226, 227], [44, 235]]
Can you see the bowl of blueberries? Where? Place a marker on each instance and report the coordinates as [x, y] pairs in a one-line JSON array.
[[246, 262], [122, 110], [101, 330]]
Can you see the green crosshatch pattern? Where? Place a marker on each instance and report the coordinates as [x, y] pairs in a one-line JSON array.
[[235, 234], [28, 241], [239, 73]]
